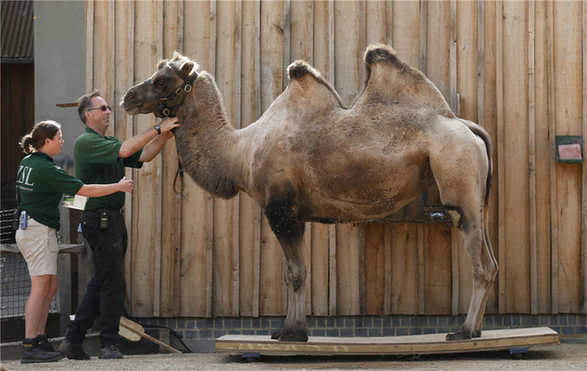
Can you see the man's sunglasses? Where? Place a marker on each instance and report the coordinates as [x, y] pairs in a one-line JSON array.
[[101, 108]]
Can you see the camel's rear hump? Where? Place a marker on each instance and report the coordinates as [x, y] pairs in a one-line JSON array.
[[392, 81]]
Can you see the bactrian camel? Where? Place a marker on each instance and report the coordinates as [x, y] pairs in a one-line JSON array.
[[309, 158]]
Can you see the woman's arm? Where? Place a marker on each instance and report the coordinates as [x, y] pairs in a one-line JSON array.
[[99, 190]]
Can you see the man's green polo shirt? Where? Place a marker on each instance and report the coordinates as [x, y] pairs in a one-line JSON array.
[[96, 162], [40, 184]]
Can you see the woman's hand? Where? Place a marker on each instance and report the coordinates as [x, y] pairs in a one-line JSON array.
[[125, 185]]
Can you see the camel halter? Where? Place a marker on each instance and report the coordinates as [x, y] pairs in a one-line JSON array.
[[166, 111]]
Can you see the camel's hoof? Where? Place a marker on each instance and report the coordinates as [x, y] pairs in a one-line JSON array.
[[290, 335], [463, 334]]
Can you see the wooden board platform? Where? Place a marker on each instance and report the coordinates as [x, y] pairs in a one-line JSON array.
[[413, 344]]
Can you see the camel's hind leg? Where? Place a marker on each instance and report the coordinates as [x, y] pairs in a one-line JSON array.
[[290, 233], [462, 188]]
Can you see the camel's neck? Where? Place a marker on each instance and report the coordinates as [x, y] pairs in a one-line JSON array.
[[208, 144]]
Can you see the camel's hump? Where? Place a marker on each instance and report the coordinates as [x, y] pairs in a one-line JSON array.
[[299, 69], [379, 53]]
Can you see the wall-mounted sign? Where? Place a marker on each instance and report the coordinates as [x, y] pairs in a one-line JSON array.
[[569, 149]]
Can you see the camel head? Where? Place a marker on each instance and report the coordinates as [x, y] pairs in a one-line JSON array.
[[165, 90]]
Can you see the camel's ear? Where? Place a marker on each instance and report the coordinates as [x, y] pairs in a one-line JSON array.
[[186, 68], [162, 63]]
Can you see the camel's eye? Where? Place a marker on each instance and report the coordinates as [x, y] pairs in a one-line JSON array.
[[159, 83]]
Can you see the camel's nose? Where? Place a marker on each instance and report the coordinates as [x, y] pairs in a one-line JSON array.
[[130, 95]]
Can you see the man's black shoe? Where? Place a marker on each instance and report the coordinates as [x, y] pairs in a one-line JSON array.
[[33, 353], [73, 351], [110, 352], [45, 344]]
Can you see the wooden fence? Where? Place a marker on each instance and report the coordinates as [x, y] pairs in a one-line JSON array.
[[517, 68]]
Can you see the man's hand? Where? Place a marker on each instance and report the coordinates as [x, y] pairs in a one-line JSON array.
[[168, 124], [125, 185]]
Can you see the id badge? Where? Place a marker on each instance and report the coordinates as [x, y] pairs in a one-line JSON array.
[[22, 222]]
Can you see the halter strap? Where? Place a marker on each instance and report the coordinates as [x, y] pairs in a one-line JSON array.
[[164, 109]]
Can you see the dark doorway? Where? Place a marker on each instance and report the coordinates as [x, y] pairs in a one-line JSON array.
[[18, 116]]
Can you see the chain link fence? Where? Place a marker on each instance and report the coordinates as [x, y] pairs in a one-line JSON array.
[[14, 276]]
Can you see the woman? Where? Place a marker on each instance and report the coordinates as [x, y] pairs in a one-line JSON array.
[[40, 185]]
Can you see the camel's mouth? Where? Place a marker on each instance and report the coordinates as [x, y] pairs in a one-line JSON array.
[[130, 108]]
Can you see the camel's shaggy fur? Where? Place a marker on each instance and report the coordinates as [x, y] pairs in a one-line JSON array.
[[310, 158]]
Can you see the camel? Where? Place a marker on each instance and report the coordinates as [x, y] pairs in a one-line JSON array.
[[308, 158]]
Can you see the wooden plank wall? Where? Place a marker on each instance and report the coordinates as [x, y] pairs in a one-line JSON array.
[[516, 68]]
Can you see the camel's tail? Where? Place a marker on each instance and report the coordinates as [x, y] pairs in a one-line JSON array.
[[480, 132]]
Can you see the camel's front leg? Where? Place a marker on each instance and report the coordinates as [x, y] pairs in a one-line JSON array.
[[294, 328], [290, 233]]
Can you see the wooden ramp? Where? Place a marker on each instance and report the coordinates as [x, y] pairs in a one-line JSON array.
[[413, 344]]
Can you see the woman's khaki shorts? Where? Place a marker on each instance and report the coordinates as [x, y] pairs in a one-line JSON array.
[[38, 246]]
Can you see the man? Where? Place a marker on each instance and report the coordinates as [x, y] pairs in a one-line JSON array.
[[102, 159]]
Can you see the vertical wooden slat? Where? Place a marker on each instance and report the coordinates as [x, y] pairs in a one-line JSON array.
[[516, 162], [423, 36], [197, 211], [551, 79], [422, 228], [147, 242], [374, 285], [489, 121], [273, 298], [286, 55], [375, 271], [301, 45], [321, 39], [467, 88], [455, 235], [237, 124], [332, 264], [437, 245], [250, 212], [172, 206], [124, 59], [568, 88], [112, 66], [159, 35], [89, 45], [347, 83], [388, 271], [532, 160], [453, 57], [404, 272], [226, 236], [421, 271], [377, 22], [406, 282], [543, 160], [480, 62], [500, 156]]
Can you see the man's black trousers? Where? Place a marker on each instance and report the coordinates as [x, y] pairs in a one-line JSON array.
[[103, 301]]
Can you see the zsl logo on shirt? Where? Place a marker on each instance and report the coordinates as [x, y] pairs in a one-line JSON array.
[[23, 174]]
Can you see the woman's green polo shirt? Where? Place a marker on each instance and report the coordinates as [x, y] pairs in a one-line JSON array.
[[96, 162], [40, 184]]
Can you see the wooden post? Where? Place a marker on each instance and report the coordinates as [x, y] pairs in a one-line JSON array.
[[502, 304], [552, 132], [532, 160], [455, 234], [333, 282]]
